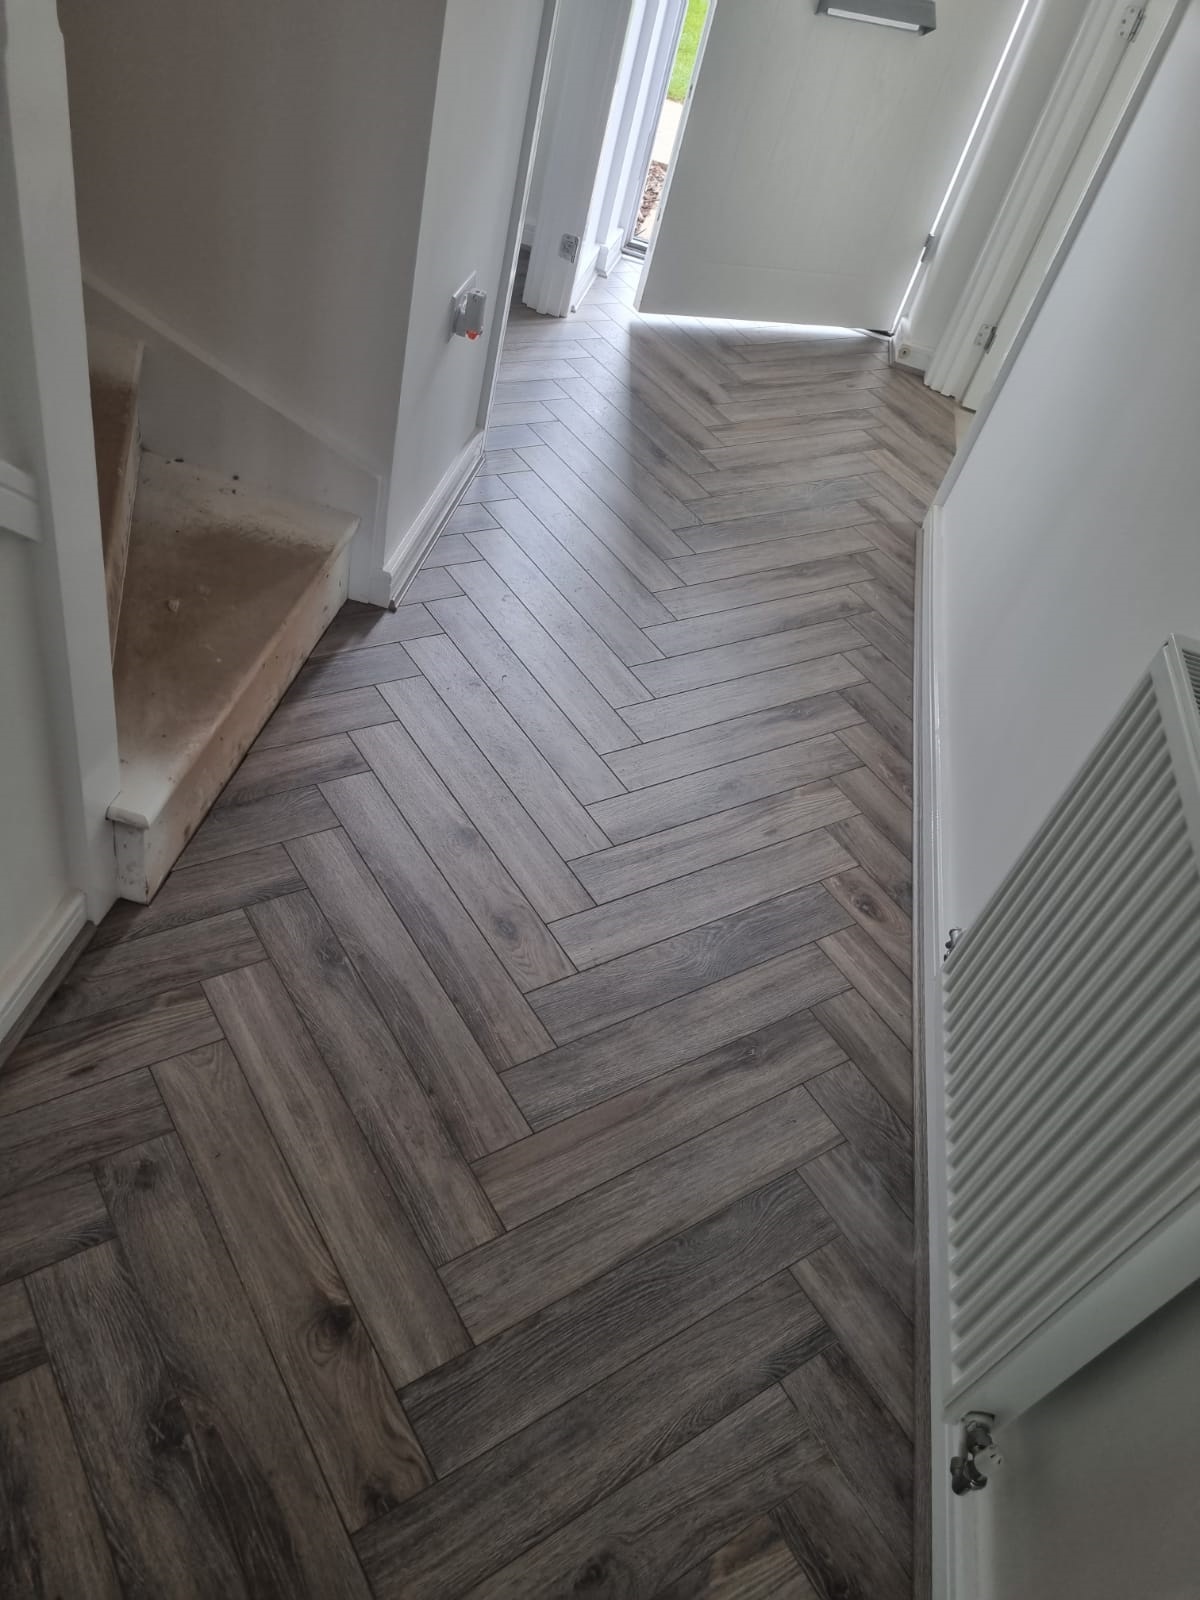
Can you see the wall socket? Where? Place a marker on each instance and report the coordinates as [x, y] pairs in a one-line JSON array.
[[568, 248]]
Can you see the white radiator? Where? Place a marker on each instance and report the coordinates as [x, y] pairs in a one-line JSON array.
[[1072, 1043]]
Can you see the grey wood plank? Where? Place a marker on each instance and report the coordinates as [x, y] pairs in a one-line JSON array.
[[487, 487], [456, 1074], [691, 846], [547, 1257], [550, 885], [699, 749], [448, 549], [358, 1431], [677, 801], [498, 462], [473, 976], [893, 766], [892, 682], [528, 774], [585, 595], [639, 386], [436, 583], [578, 1075], [504, 412], [404, 1130], [877, 913], [659, 427], [533, 710], [119, 974], [873, 1047], [575, 636], [544, 659], [661, 972], [756, 1564], [681, 1510], [897, 613], [857, 1199], [625, 567], [524, 371], [61, 1135], [50, 1533], [568, 1158], [360, 629], [695, 708], [46, 1221], [648, 510], [752, 621], [391, 1280], [60, 1060], [230, 830], [833, 1539], [700, 668], [630, 453], [648, 915], [743, 560], [890, 814], [888, 866], [20, 1349], [192, 893], [213, 1389], [316, 719], [726, 594], [491, 1511], [530, 389], [887, 641], [821, 456], [867, 1122], [501, 912], [503, 1385], [877, 979], [868, 1323], [350, 669], [291, 766]]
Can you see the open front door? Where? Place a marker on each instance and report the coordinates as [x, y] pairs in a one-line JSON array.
[[813, 158]]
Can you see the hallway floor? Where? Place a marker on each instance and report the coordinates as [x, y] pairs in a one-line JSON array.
[[486, 1168]]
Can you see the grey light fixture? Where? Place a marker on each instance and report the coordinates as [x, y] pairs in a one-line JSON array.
[[911, 16]]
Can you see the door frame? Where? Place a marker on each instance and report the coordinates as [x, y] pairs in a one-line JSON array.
[[1086, 108], [645, 98]]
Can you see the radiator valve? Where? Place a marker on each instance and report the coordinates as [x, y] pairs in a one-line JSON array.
[[978, 1451]]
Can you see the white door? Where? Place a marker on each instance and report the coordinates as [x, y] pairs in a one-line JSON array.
[[813, 158]]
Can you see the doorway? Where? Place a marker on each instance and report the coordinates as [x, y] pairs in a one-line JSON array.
[[641, 226]]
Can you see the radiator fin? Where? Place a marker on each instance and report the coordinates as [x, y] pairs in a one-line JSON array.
[[1072, 1028]]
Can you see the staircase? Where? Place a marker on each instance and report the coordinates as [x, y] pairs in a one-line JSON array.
[[217, 592]]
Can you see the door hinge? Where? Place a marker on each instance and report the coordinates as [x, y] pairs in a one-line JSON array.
[[978, 1449], [929, 249], [1131, 21], [986, 337]]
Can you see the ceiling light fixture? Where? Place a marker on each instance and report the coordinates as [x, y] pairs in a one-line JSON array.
[[910, 16]]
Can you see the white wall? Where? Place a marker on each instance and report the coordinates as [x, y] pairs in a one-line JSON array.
[[252, 176], [1070, 548], [484, 82], [1070, 539], [1049, 29]]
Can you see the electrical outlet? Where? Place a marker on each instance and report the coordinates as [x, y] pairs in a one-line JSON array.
[[569, 247]]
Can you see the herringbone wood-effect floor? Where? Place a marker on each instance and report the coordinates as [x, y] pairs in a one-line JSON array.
[[485, 1170]]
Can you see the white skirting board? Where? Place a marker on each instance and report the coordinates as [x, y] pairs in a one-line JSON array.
[[24, 977], [957, 1572], [402, 565], [192, 404]]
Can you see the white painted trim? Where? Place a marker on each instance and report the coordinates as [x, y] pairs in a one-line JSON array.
[[68, 564], [19, 502], [414, 547], [1168, 21], [903, 353], [953, 1553], [662, 26], [34, 966], [1076, 102]]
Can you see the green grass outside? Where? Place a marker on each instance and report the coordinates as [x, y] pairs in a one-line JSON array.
[[689, 43]]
